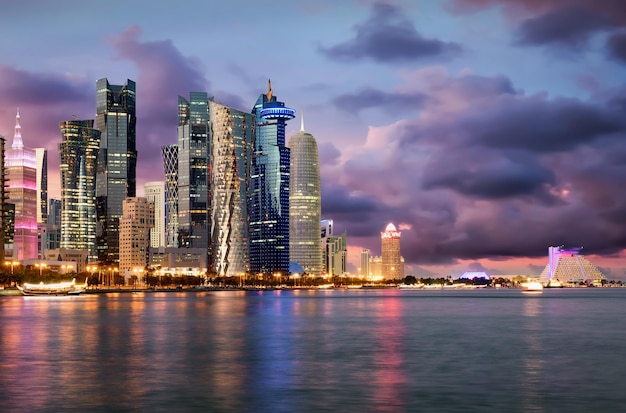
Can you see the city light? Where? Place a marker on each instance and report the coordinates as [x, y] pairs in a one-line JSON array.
[[12, 264]]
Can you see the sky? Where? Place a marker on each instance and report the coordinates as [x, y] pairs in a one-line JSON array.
[[486, 131]]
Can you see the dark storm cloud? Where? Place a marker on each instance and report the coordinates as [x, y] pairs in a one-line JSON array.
[[570, 27], [541, 125], [616, 45], [164, 73], [368, 98], [44, 100], [487, 175], [20, 87], [388, 36], [561, 23], [488, 172]]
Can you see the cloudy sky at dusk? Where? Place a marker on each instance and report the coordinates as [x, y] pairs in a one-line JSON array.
[[485, 132]]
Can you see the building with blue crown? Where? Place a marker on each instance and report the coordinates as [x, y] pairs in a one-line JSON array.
[[268, 193]]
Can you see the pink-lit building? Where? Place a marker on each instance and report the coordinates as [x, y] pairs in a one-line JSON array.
[[21, 190]]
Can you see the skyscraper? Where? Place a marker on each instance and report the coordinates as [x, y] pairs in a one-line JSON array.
[[365, 264], [135, 223], [117, 162], [155, 193], [21, 176], [53, 226], [231, 136], [170, 165], [78, 150], [268, 196], [393, 267], [41, 156], [193, 165], [3, 229], [305, 203]]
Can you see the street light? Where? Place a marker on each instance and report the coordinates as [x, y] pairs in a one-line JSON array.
[[41, 266], [12, 264]]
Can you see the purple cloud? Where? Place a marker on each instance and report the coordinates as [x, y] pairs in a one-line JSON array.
[[372, 98], [616, 45], [388, 36], [570, 27], [486, 171], [561, 23]]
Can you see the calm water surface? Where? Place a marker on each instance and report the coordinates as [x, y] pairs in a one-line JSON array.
[[316, 351]]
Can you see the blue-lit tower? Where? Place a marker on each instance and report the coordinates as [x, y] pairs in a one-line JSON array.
[[268, 196]]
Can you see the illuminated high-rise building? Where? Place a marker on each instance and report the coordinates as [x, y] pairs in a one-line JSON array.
[[170, 165], [135, 224], [231, 137], [392, 264], [78, 150], [41, 157], [364, 270], [305, 203], [53, 226], [334, 250], [268, 196], [193, 168], [155, 193], [116, 176], [21, 190], [3, 229]]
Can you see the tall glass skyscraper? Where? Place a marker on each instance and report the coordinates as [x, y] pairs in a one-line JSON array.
[[193, 167], [170, 165], [305, 203], [79, 152], [21, 190], [268, 195], [41, 156], [116, 176], [231, 137]]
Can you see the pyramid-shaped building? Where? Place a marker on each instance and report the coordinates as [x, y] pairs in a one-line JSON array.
[[567, 265]]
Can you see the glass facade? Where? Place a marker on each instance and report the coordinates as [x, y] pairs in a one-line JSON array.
[[193, 170], [41, 156], [231, 136], [78, 151], [116, 176], [53, 227], [21, 191], [268, 195], [305, 206], [170, 164]]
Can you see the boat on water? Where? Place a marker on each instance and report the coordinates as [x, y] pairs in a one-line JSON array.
[[417, 286], [532, 287], [61, 288]]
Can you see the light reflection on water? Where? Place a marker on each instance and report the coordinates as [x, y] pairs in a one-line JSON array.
[[308, 351]]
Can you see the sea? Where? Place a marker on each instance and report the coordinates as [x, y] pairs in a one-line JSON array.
[[388, 350]]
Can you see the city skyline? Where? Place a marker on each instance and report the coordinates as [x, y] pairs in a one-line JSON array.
[[484, 146]]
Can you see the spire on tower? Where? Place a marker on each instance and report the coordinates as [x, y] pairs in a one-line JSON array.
[[302, 122], [269, 90], [17, 137]]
